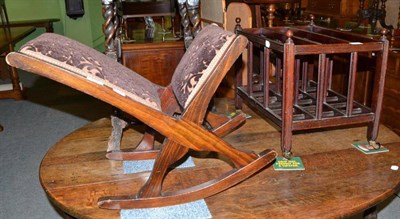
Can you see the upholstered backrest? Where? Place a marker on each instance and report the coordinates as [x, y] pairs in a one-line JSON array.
[[84, 61], [199, 62]]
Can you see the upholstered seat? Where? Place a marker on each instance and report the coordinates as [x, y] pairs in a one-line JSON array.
[[92, 65]]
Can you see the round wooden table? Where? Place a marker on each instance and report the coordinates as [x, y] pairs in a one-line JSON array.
[[339, 181]]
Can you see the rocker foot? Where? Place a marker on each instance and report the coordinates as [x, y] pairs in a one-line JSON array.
[[203, 190]]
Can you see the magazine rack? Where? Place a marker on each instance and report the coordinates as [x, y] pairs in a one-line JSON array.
[[289, 79]]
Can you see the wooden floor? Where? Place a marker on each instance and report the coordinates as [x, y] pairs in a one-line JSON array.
[[339, 181]]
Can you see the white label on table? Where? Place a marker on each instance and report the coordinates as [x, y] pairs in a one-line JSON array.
[[355, 43], [267, 44]]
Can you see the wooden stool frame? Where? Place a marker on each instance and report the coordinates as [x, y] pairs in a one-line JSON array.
[[183, 126]]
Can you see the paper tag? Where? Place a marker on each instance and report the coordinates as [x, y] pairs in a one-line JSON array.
[[355, 43], [267, 44]]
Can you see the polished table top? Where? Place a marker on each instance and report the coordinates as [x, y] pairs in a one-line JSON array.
[[338, 181]]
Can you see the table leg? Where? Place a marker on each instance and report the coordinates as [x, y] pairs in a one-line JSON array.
[[371, 213], [288, 93], [257, 12], [378, 90], [49, 28], [67, 216]]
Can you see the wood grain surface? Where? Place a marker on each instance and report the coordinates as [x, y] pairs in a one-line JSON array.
[[155, 61], [339, 181]]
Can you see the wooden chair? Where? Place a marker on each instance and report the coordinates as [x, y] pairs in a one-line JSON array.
[[6, 47], [178, 111]]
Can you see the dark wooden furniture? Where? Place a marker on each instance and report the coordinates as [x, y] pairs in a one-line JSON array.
[[391, 100], [45, 23], [339, 181], [179, 112], [137, 9], [13, 35], [155, 61], [155, 58], [375, 13], [8, 37], [301, 95], [270, 10], [129, 9], [7, 45], [339, 11]]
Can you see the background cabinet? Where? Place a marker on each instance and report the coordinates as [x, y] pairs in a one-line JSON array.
[[339, 10], [155, 61]]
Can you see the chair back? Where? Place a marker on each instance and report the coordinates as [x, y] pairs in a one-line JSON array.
[[199, 62]]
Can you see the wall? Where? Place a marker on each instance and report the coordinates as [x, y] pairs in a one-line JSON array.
[[87, 29], [34, 9], [392, 12], [97, 20]]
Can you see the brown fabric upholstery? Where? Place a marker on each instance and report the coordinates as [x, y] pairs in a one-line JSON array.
[[196, 65], [199, 61], [89, 63]]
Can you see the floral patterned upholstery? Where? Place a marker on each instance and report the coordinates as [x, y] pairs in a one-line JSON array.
[[199, 61], [193, 70], [93, 65]]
